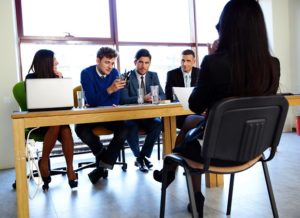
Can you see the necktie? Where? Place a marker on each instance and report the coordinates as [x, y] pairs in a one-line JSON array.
[[187, 84], [143, 84]]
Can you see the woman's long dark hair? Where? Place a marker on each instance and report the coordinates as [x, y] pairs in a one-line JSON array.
[[42, 64], [243, 36]]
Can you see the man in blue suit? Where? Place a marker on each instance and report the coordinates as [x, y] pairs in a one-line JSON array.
[[140, 77]]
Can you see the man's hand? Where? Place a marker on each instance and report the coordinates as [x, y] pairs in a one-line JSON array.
[[116, 85], [148, 98]]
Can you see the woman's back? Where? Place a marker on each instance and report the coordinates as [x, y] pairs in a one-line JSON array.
[[215, 82], [242, 64]]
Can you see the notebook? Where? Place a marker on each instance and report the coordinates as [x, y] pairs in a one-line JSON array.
[[183, 94], [49, 94]]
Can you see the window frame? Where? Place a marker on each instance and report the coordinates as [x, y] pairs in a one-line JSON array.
[[113, 40]]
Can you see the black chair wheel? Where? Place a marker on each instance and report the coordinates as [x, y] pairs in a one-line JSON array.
[[14, 185]]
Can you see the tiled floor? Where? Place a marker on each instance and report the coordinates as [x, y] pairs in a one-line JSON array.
[[134, 194]]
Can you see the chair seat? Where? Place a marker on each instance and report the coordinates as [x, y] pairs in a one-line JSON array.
[[215, 169], [100, 130]]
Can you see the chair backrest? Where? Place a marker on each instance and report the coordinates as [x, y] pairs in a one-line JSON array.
[[239, 129], [77, 88], [20, 95]]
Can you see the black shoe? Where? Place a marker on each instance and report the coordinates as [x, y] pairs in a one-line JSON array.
[[157, 175], [96, 174], [140, 164], [199, 204], [73, 183], [46, 179], [148, 164]]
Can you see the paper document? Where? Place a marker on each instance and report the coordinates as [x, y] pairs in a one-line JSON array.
[[183, 94]]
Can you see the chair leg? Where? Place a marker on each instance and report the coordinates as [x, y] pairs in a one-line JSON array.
[[163, 192], [124, 166], [158, 147], [191, 192], [230, 194], [270, 190]]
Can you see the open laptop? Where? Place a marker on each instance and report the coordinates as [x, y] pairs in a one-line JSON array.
[[49, 94]]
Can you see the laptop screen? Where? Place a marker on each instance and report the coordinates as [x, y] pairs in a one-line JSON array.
[[49, 94]]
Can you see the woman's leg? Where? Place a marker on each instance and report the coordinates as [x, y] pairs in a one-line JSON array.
[[199, 198], [190, 122], [68, 149], [48, 144]]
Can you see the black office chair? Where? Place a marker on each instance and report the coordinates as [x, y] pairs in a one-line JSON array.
[[238, 130]]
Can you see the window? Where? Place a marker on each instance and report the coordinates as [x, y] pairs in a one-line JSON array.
[[153, 20], [89, 18], [75, 30], [208, 14]]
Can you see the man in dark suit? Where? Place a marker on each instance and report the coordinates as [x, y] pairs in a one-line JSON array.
[[141, 78], [184, 76]]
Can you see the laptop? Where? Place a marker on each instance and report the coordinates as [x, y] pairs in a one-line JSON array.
[[49, 94]]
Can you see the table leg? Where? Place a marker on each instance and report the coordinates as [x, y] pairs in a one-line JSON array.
[[167, 142], [214, 180], [20, 168]]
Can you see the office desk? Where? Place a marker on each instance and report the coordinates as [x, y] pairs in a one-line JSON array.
[[22, 120]]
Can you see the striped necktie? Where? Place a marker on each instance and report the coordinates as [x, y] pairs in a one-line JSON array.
[[143, 84]]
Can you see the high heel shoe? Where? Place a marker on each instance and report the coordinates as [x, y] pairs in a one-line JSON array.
[[158, 174], [199, 198], [46, 179], [73, 183]]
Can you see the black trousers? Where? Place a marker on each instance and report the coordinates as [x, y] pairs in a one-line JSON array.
[[85, 133]]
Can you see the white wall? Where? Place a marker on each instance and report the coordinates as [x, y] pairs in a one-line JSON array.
[[283, 20], [8, 77], [286, 32]]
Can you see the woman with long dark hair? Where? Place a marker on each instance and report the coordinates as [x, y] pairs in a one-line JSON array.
[[44, 65], [241, 66]]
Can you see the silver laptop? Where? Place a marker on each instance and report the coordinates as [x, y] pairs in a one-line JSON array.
[[49, 94]]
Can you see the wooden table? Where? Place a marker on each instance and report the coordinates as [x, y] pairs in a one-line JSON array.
[[22, 120]]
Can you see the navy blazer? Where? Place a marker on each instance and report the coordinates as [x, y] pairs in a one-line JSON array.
[[129, 94], [175, 79]]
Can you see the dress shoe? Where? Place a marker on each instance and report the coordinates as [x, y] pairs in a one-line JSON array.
[[148, 164], [158, 174], [140, 164], [199, 204], [96, 174], [46, 179]]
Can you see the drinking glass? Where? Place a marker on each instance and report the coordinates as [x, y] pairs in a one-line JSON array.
[[154, 94], [80, 99]]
